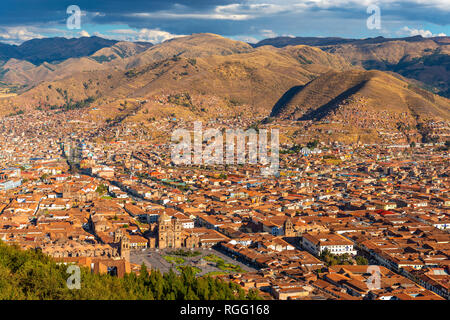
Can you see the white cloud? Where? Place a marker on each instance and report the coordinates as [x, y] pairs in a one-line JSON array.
[[234, 12], [83, 33], [254, 8], [16, 35], [206, 16], [155, 36], [244, 38], [147, 35], [269, 33], [251, 10], [326, 4], [419, 32]]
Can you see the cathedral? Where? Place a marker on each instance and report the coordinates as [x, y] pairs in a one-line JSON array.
[[170, 234]]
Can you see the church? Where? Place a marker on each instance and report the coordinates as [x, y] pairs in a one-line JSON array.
[[169, 233]]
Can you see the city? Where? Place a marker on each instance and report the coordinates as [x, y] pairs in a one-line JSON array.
[[310, 233], [225, 159]]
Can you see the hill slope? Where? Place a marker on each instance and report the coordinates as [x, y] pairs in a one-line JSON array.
[[366, 105], [194, 46], [222, 73], [23, 72], [55, 49], [369, 90], [120, 50], [280, 42], [423, 59]]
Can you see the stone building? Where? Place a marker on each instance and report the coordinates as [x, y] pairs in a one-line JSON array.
[[124, 244], [69, 192], [169, 232], [289, 228]]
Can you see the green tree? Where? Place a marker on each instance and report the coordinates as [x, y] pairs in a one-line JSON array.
[[312, 144], [29, 274], [101, 189], [360, 260]]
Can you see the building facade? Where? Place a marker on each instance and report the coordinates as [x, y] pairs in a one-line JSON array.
[[169, 232]]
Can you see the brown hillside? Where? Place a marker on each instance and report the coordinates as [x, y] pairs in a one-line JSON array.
[[119, 51], [426, 61], [248, 77], [194, 46], [369, 93], [23, 72]]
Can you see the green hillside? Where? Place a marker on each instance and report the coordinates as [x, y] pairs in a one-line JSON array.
[[32, 275]]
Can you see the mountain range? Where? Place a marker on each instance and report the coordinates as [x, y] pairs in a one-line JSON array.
[[426, 60], [370, 84], [24, 72], [55, 49]]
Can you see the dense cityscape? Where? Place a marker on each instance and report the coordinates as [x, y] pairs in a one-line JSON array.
[[217, 159], [311, 232]]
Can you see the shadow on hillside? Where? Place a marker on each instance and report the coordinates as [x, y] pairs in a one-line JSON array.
[[285, 99], [325, 109]]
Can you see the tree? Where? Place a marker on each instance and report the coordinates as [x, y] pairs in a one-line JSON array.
[[331, 259], [143, 274], [312, 144], [361, 261], [101, 189], [253, 295], [29, 274]]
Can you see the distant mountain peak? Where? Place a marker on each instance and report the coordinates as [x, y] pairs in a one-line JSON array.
[[54, 49]]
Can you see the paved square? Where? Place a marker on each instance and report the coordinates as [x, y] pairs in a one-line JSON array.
[[154, 258]]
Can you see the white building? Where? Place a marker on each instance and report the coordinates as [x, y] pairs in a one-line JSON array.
[[334, 243]]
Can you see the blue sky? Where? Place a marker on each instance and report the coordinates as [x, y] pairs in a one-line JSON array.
[[247, 20]]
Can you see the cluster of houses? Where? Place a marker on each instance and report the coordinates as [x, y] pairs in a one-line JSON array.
[[84, 200]]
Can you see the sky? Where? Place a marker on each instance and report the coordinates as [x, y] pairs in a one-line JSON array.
[[245, 20]]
